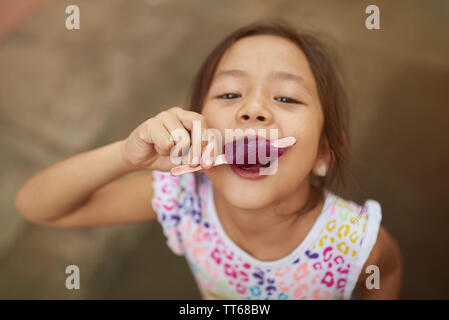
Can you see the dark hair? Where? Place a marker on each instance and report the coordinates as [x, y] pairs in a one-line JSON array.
[[331, 93]]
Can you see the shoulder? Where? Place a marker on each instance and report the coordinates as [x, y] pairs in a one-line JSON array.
[[384, 249], [171, 193], [386, 253], [376, 247], [175, 197], [386, 256], [168, 187], [176, 202]]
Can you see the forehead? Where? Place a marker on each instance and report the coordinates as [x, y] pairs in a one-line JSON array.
[[265, 53]]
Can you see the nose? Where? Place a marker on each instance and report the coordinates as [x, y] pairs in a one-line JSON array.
[[255, 113]]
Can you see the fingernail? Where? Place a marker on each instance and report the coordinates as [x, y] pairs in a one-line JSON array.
[[208, 162], [195, 160]]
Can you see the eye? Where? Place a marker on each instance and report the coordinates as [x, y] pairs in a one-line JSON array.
[[287, 100], [229, 95]]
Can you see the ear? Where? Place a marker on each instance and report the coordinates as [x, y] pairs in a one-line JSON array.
[[323, 159]]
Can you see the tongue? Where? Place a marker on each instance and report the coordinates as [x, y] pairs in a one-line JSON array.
[[246, 152], [249, 167]]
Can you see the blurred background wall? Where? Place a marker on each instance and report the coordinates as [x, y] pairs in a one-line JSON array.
[[63, 92]]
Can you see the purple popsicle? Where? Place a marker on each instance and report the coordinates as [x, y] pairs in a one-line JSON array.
[[245, 151]]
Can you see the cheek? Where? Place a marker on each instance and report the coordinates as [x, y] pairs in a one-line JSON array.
[[306, 147], [299, 159], [209, 114], [302, 157], [218, 119], [307, 130], [294, 169]]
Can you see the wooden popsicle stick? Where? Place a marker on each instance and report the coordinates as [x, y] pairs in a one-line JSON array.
[[221, 159], [284, 142], [185, 168]]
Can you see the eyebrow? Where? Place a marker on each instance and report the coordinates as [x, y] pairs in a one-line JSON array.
[[232, 73], [282, 75], [288, 76]]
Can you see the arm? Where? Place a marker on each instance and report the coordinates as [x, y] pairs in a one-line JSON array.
[[386, 255], [84, 190]]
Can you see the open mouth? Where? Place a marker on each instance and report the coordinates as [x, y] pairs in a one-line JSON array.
[[252, 167], [248, 155], [251, 152], [250, 171]]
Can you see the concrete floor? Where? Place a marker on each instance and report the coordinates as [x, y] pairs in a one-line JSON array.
[[64, 92]]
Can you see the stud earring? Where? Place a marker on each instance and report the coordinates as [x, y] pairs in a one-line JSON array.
[[321, 170]]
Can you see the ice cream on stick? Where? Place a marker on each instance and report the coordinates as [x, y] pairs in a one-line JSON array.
[[250, 147]]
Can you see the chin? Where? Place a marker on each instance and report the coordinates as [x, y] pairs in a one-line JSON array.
[[244, 193], [247, 199]]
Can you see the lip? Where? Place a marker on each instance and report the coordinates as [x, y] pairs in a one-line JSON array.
[[239, 150], [246, 174], [251, 174], [249, 137]]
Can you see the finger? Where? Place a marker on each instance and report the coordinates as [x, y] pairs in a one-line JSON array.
[[193, 161], [159, 137], [196, 142], [197, 125], [210, 153], [178, 133]]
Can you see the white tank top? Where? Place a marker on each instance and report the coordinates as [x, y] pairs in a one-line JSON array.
[[325, 265]]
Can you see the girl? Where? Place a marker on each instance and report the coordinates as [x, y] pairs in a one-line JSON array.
[[245, 236]]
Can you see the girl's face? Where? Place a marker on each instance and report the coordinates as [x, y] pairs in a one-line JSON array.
[[265, 82]]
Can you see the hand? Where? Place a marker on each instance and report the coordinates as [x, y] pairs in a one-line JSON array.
[[149, 146]]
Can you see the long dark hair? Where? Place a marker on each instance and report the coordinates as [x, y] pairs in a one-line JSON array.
[[332, 96]]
